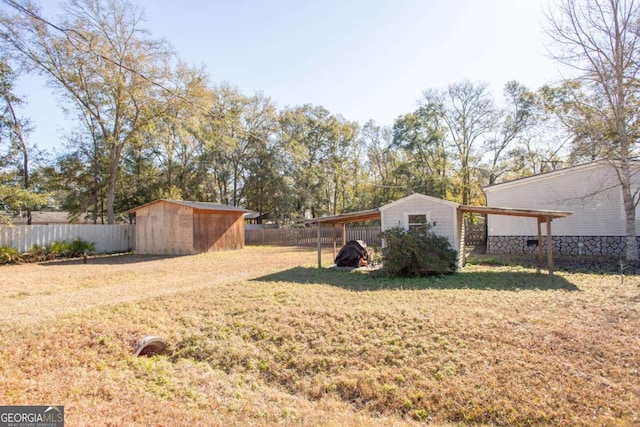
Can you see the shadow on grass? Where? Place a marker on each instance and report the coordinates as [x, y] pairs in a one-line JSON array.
[[114, 259], [132, 258], [363, 281], [588, 264]]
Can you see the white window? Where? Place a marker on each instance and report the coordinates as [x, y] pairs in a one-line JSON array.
[[416, 221]]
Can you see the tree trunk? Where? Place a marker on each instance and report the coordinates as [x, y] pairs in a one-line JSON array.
[[114, 164], [25, 152], [629, 211], [111, 195]]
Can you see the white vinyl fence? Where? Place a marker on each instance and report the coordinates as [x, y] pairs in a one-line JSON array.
[[107, 238]]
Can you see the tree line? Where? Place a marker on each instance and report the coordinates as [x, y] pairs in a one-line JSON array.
[[150, 126]]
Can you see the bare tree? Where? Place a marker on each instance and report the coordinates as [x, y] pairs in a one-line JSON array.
[[469, 114], [104, 62], [14, 126], [514, 120], [600, 40]]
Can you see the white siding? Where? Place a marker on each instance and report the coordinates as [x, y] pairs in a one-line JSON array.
[[591, 192], [440, 212]]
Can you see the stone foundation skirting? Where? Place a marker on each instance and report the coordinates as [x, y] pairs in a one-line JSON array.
[[575, 245]]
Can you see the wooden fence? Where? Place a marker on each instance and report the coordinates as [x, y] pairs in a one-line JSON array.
[[309, 236], [107, 238], [475, 235]]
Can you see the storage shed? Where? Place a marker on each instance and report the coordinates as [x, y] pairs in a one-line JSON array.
[[417, 209], [407, 213], [180, 227]]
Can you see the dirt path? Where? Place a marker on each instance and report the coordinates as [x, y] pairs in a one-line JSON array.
[[33, 293]]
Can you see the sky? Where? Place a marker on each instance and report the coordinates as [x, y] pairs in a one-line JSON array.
[[362, 59]]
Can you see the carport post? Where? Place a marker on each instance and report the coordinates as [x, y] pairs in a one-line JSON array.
[[549, 247], [539, 244], [333, 237], [319, 247]]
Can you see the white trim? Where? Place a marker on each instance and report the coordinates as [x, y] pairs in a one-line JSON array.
[[406, 224], [456, 237], [418, 196]]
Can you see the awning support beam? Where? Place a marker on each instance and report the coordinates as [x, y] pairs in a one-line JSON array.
[[319, 246], [539, 244], [549, 247]]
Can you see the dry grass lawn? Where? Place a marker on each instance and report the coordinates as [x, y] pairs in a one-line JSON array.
[[260, 337]]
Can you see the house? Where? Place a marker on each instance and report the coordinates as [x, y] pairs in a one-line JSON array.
[[256, 218], [181, 227], [590, 190], [47, 217], [257, 221]]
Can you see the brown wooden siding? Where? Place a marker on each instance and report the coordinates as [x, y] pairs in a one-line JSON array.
[[170, 228], [149, 231], [217, 230], [178, 225]]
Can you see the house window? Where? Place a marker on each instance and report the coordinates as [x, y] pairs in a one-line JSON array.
[[417, 222]]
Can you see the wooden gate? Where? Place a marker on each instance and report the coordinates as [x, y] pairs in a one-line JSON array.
[[475, 234]]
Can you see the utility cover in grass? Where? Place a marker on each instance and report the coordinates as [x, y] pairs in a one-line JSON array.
[[150, 346]]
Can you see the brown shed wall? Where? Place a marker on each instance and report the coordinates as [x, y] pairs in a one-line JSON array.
[[164, 228], [178, 229], [149, 230], [217, 230]]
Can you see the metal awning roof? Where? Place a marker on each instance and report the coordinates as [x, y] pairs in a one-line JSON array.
[[368, 215], [374, 214], [532, 213]]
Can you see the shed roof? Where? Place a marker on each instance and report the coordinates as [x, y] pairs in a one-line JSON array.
[[421, 196], [208, 206]]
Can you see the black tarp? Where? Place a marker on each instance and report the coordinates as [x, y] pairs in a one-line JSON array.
[[352, 254]]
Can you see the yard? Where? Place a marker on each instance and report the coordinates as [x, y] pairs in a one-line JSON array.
[[261, 337]]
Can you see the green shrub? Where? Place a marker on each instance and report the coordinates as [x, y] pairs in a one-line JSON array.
[[75, 248], [9, 255], [59, 248], [79, 247], [37, 253], [416, 253]]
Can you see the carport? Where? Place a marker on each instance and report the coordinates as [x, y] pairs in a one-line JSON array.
[[542, 217], [342, 220]]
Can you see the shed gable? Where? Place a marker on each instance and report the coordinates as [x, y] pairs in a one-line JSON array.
[[440, 213]]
